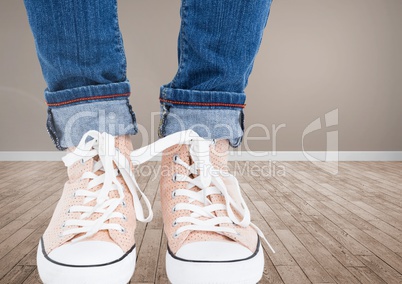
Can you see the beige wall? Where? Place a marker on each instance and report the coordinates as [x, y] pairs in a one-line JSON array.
[[316, 56]]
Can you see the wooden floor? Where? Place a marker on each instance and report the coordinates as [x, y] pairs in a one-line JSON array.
[[344, 228]]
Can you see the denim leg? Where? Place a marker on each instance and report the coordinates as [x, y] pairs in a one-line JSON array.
[[217, 44], [80, 49]]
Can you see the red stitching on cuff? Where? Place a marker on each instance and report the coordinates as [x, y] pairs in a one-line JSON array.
[[89, 99], [202, 104]]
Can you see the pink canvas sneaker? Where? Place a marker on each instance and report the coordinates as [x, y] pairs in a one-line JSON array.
[[206, 221], [90, 238]]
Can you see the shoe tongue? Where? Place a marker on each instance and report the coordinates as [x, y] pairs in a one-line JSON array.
[[219, 154], [218, 157]]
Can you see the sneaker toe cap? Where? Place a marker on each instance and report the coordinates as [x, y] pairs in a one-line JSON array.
[[213, 251], [86, 253]]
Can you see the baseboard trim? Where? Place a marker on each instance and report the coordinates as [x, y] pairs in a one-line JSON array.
[[236, 156]]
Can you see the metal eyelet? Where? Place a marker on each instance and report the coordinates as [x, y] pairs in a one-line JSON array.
[[175, 157], [174, 178], [82, 161], [123, 203], [174, 209], [174, 224], [124, 217], [174, 194], [63, 225], [122, 230], [175, 235]]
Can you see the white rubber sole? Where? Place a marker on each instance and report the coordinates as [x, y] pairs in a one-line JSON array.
[[248, 271], [116, 273]]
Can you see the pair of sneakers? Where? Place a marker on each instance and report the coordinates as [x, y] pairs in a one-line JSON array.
[[90, 238]]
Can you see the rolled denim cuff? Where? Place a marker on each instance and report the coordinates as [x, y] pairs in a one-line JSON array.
[[73, 112], [212, 114]]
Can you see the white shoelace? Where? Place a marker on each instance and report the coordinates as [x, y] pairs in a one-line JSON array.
[[202, 218], [103, 146]]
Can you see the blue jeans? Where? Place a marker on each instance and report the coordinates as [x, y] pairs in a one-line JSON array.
[[81, 53]]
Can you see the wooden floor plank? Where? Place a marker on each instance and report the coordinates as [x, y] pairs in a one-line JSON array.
[[292, 275], [161, 277], [148, 255], [383, 270], [334, 268], [375, 224], [387, 255], [271, 275], [33, 278], [310, 266], [18, 274], [365, 275], [13, 241], [340, 252], [342, 237]]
